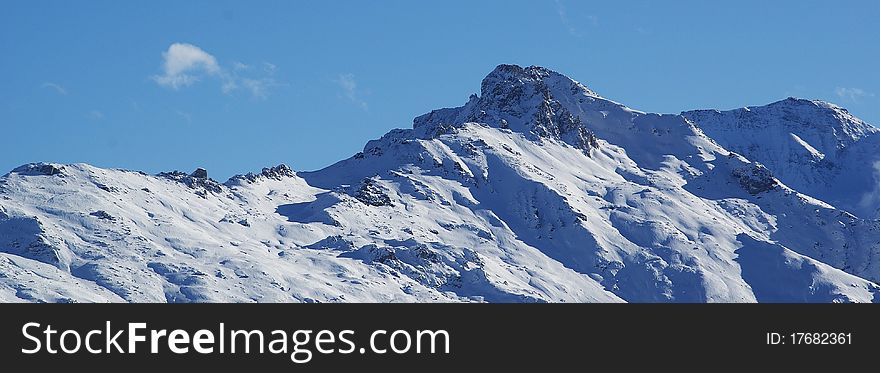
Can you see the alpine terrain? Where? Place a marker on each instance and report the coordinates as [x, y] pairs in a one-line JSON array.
[[536, 190]]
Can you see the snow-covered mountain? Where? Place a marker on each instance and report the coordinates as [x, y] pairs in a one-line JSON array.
[[537, 190], [816, 147]]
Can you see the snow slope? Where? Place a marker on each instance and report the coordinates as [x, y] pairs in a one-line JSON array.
[[815, 147], [537, 190]]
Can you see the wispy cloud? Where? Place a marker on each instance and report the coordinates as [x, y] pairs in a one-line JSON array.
[[256, 80], [593, 20], [568, 24], [185, 64], [184, 115], [269, 68], [96, 115], [259, 88], [349, 87], [852, 94], [55, 87], [563, 17]]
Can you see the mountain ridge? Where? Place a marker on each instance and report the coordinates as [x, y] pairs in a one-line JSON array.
[[537, 190]]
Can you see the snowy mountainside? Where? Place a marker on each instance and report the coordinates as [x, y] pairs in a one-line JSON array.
[[537, 190], [815, 147]]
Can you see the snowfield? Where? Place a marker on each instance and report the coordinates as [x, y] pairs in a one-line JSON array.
[[537, 190]]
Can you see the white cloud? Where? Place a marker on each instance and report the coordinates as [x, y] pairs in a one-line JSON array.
[[96, 115], [228, 86], [566, 22], [255, 83], [852, 94], [183, 65], [184, 115], [594, 20], [259, 88], [55, 87], [350, 90]]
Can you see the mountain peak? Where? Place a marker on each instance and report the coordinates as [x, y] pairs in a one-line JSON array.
[[531, 100], [506, 73], [803, 102], [791, 115], [278, 173], [39, 169], [507, 77]]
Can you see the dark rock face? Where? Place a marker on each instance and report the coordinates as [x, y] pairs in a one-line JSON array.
[[106, 187], [554, 121], [371, 194], [39, 169], [198, 180], [509, 87], [336, 242], [243, 221], [755, 179], [200, 173], [527, 100], [278, 172], [173, 175], [103, 215]]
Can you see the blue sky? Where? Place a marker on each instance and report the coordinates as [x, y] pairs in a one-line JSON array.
[[237, 86]]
